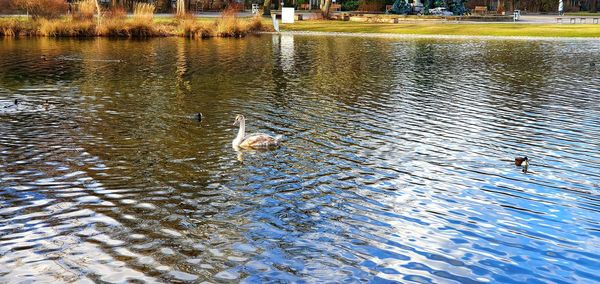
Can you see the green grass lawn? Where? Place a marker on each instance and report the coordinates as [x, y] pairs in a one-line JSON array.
[[589, 14], [471, 29]]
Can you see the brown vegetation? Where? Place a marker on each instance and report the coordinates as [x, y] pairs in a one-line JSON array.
[[85, 10], [48, 9], [227, 25], [116, 24]]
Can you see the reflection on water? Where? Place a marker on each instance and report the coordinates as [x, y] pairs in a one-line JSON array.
[[397, 163]]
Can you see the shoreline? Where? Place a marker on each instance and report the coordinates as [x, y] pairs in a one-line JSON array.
[[428, 36]]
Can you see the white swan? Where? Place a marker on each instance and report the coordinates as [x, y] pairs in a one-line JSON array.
[[252, 141]]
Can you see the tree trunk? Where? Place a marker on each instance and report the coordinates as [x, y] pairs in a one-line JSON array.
[[267, 8], [325, 6], [594, 6], [180, 8]]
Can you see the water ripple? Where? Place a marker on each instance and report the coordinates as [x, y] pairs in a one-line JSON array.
[[396, 167]]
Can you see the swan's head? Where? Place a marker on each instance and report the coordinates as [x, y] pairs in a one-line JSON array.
[[239, 118]]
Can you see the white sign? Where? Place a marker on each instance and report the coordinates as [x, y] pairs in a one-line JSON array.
[[287, 15]]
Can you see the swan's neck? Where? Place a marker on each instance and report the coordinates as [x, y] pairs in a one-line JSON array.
[[241, 133]]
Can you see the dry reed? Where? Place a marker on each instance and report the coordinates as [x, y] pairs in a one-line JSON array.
[[193, 29], [228, 24], [141, 25], [15, 28], [143, 13], [86, 9], [66, 28]]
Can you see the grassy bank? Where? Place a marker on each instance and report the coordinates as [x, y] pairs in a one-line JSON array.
[[141, 24], [586, 14], [463, 29]]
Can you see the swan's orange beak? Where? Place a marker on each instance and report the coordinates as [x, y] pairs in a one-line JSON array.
[[236, 122]]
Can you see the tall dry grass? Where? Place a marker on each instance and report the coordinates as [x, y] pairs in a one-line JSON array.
[[140, 26], [66, 28], [228, 24], [191, 28], [86, 9], [143, 13], [16, 28]]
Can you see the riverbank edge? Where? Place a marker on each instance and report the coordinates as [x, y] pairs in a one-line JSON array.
[[427, 36]]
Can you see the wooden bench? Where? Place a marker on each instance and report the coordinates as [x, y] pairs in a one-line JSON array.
[[335, 7], [305, 6], [480, 10]]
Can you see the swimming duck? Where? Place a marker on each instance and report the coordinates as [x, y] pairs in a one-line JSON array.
[[519, 161], [198, 117], [46, 105], [252, 141], [15, 105], [522, 162]]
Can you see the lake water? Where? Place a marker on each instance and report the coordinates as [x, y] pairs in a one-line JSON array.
[[397, 163]]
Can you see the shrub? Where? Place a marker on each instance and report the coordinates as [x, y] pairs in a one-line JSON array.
[[351, 5], [47, 9], [370, 6]]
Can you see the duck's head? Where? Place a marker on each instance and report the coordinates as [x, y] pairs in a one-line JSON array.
[[199, 116], [16, 101], [239, 118]]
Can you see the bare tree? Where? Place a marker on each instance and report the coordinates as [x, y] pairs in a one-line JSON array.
[[325, 6], [180, 8], [267, 8]]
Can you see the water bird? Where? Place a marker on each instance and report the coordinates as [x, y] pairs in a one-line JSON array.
[[519, 161], [46, 105], [522, 162], [198, 117], [44, 57], [592, 64], [252, 141], [14, 105]]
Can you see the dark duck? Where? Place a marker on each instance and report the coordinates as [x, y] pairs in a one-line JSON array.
[[522, 162]]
